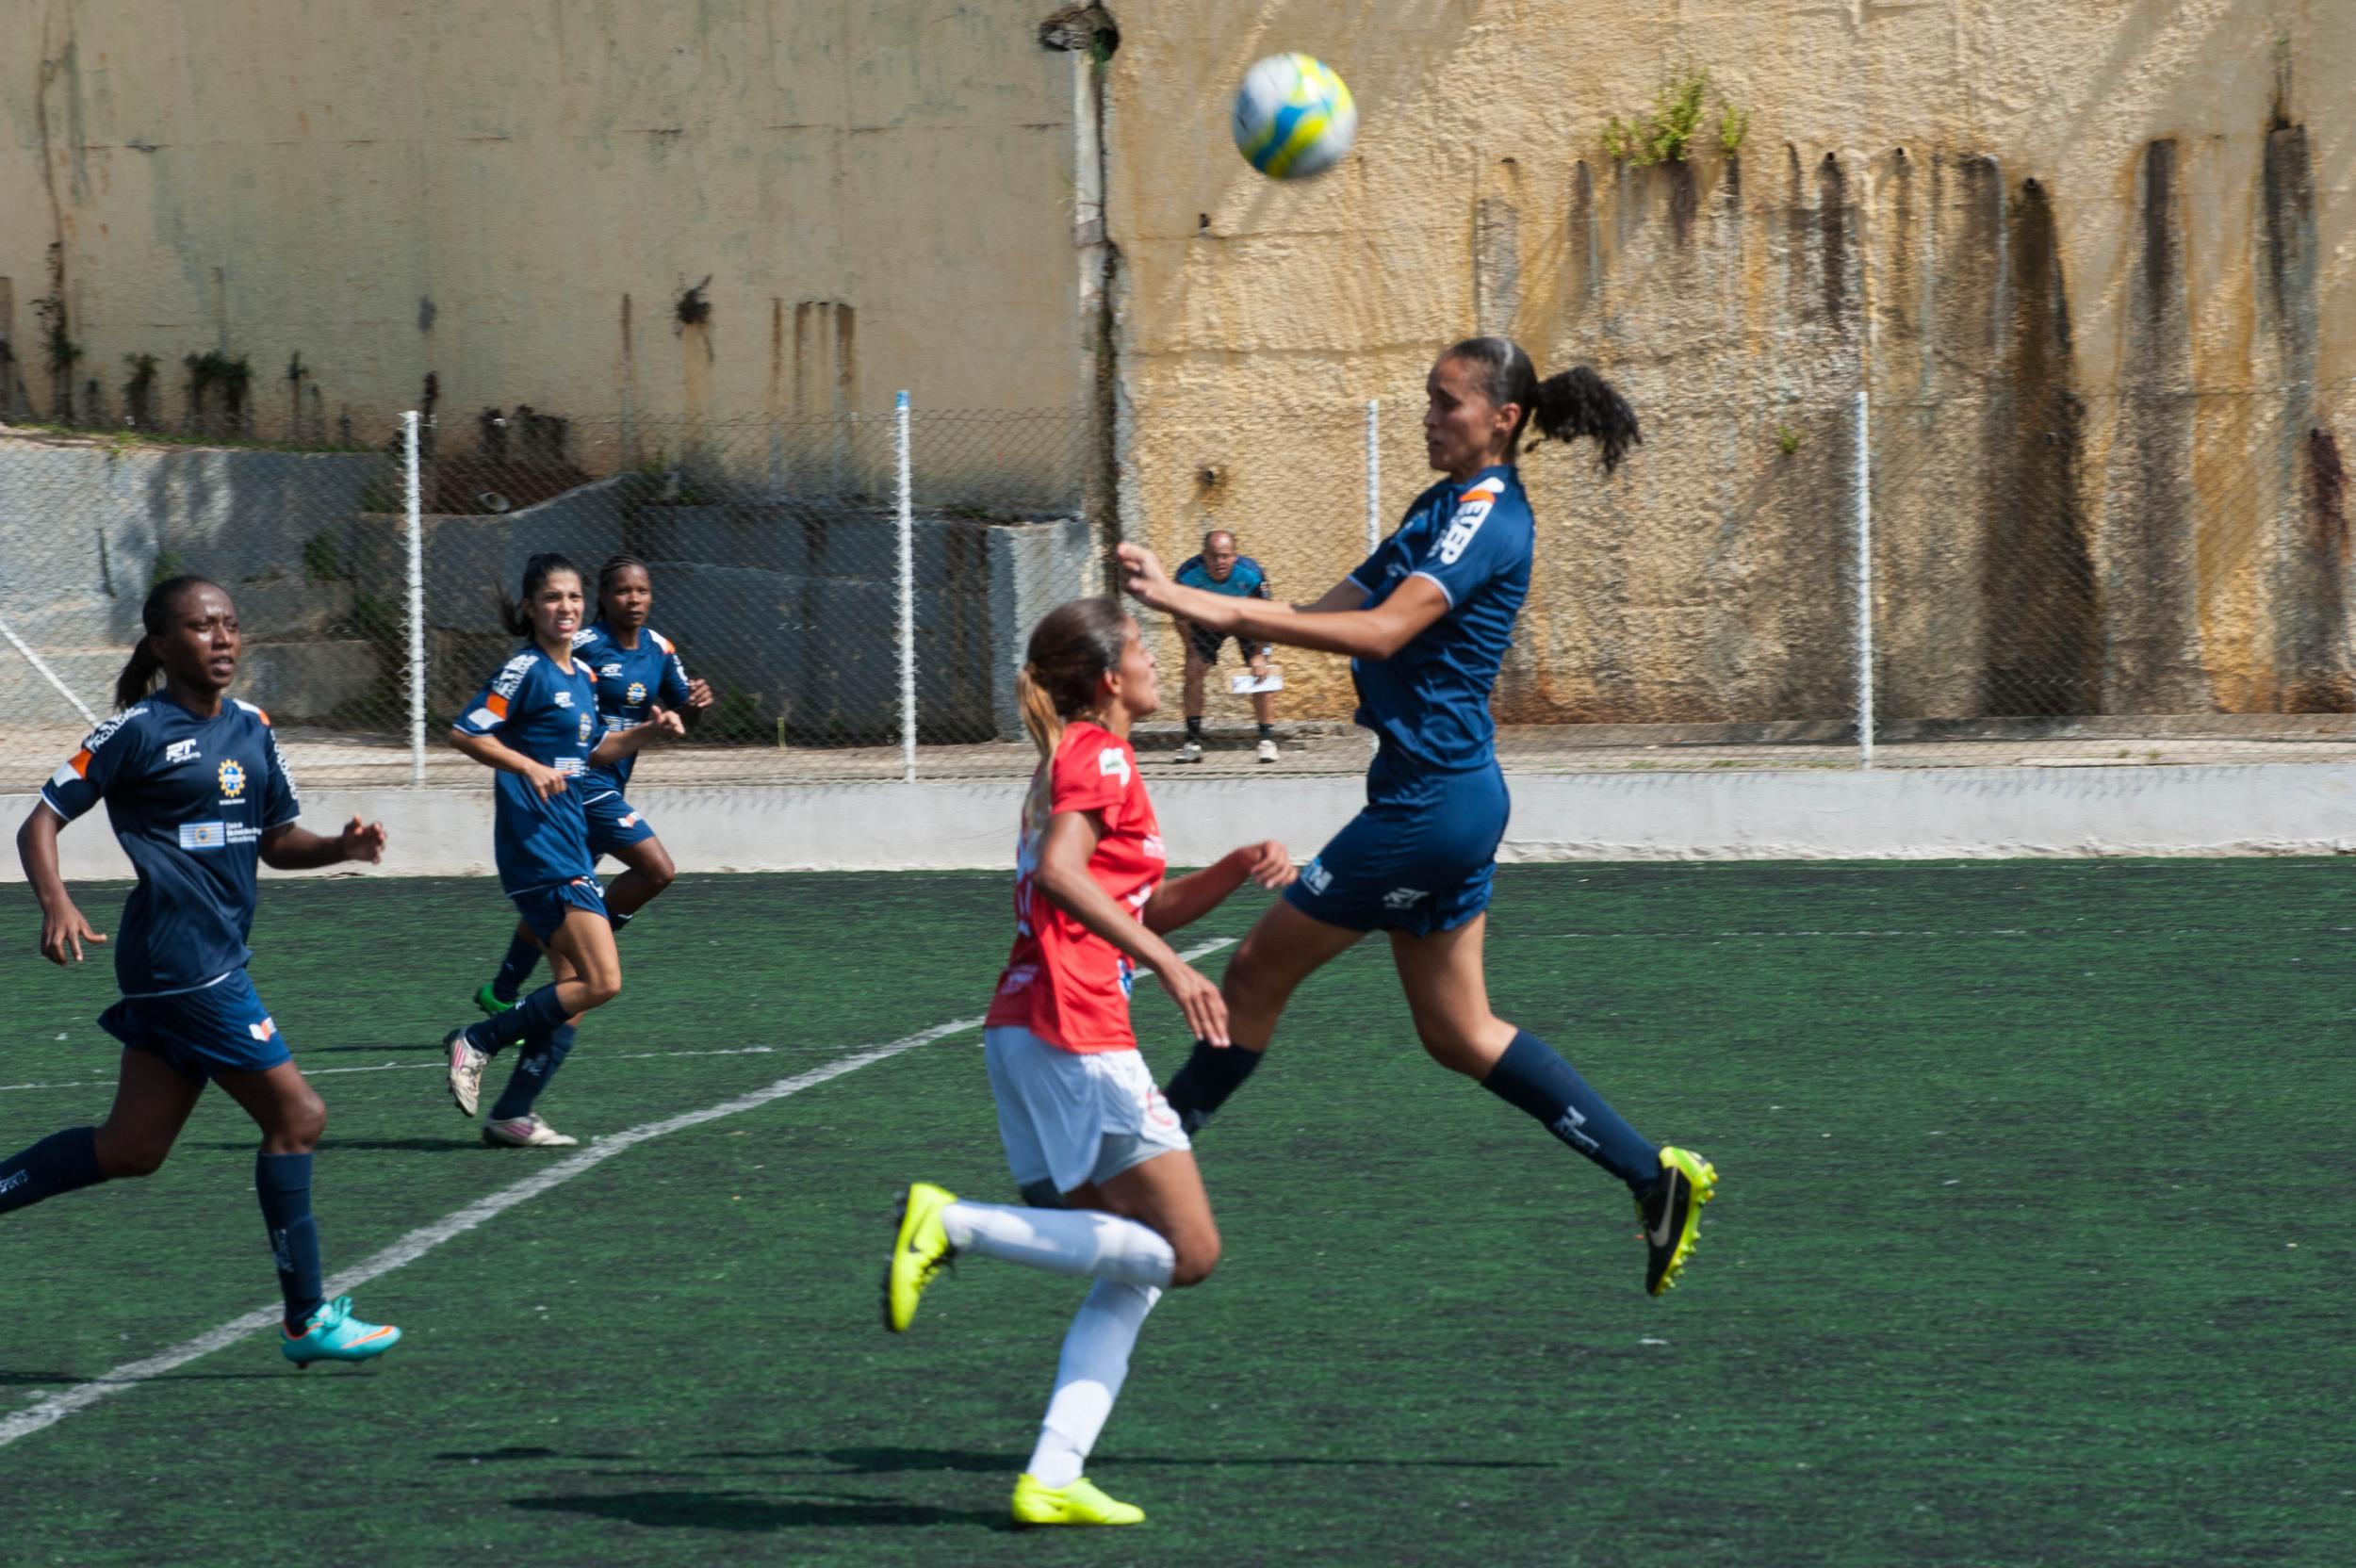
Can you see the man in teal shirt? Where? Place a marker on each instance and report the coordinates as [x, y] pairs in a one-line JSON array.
[[1222, 568]]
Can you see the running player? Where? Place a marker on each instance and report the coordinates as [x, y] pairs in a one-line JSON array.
[[1426, 621], [1088, 1138], [196, 792], [1222, 568], [636, 668], [536, 723]]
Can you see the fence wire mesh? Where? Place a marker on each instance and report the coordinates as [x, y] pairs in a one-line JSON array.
[[2132, 578]]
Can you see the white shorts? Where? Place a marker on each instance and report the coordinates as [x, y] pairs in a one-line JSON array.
[[1072, 1117]]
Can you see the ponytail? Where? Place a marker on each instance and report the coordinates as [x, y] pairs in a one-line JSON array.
[[1070, 650], [514, 615], [139, 673], [1566, 405]]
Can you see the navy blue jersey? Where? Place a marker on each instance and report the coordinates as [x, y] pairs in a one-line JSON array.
[[189, 798], [630, 680], [1429, 701], [550, 716]]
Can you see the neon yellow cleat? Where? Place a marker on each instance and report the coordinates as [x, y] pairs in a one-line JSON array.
[[1080, 1503], [1672, 1216], [917, 1254]]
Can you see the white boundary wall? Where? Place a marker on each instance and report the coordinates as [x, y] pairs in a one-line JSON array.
[[1891, 814]]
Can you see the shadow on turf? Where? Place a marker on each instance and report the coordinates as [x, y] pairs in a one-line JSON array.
[[884, 1461], [331, 1144], [738, 1510]]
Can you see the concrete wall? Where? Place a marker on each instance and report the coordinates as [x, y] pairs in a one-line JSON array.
[[1957, 814], [85, 529], [2039, 226], [736, 206]]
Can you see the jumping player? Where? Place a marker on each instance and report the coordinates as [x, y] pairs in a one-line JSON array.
[[1223, 568], [1425, 622], [536, 723], [637, 667], [1088, 1136], [196, 792]]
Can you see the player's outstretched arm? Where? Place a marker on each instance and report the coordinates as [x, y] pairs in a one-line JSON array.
[[291, 847], [1063, 879], [1182, 901], [1324, 627], [631, 739], [62, 928]]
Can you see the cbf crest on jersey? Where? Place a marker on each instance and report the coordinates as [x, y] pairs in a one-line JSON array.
[[232, 779]]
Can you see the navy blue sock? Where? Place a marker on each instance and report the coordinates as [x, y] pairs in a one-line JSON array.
[[535, 1018], [58, 1162], [1194, 726], [1532, 1076], [523, 956], [284, 1184], [541, 1058], [1211, 1075]]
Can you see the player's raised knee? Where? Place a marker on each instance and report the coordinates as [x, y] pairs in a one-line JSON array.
[[1197, 1253]]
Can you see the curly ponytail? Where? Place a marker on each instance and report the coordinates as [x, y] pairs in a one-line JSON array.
[[1566, 405], [1070, 650], [138, 675]]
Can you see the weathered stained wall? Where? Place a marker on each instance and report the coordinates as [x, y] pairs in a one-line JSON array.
[[731, 208], [2092, 257]]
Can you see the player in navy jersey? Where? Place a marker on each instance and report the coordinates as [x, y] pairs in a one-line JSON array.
[[1223, 568], [197, 792], [636, 668], [1426, 621], [536, 722]]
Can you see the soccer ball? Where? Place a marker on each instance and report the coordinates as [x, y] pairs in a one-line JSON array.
[[1293, 117]]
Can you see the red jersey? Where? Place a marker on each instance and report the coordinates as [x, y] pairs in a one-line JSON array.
[[1063, 983]]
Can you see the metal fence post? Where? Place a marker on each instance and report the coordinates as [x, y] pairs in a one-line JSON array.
[[413, 507], [1864, 509], [908, 591]]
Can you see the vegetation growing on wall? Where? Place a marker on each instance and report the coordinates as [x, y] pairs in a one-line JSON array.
[[1664, 133]]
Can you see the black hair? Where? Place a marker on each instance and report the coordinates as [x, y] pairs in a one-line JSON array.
[[1071, 650], [514, 613], [619, 564], [138, 675], [1567, 404]]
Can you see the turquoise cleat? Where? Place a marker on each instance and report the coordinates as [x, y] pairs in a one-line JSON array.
[[335, 1335]]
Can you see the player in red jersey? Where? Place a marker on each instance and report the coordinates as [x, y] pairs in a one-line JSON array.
[[1089, 1139]]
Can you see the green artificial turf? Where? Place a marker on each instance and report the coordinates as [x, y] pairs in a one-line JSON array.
[[2032, 1245]]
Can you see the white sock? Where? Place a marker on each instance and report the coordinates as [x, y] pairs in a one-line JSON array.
[[1062, 1241], [1088, 1379]]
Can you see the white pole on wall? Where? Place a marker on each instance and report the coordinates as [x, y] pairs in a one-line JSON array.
[[413, 507], [1864, 508], [1374, 474], [907, 592]]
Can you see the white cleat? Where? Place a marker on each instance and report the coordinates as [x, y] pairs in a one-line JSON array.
[[1267, 751], [525, 1131], [1191, 752], [465, 1071]]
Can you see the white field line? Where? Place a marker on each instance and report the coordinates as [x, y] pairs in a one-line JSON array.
[[418, 1243]]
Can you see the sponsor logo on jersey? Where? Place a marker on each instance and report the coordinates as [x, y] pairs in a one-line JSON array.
[[1404, 898], [1470, 513], [614, 670], [511, 676], [1153, 849], [1319, 878], [1017, 977], [630, 820], [232, 779], [637, 692], [568, 766], [263, 1030], [587, 721], [1128, 976], [563, 699], [204, 835], [1113, 759], [181, 751]]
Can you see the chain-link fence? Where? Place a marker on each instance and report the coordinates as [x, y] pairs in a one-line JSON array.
[[2152, 577]]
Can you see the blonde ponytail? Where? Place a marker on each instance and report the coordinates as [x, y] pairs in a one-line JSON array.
[[1039, 718]]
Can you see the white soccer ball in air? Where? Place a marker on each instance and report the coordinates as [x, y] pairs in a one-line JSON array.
[[1294, 117]]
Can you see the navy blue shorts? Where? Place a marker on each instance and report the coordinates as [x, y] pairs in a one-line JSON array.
[[200, 1034], [615, 824], [1420, 859], [544, 908]]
